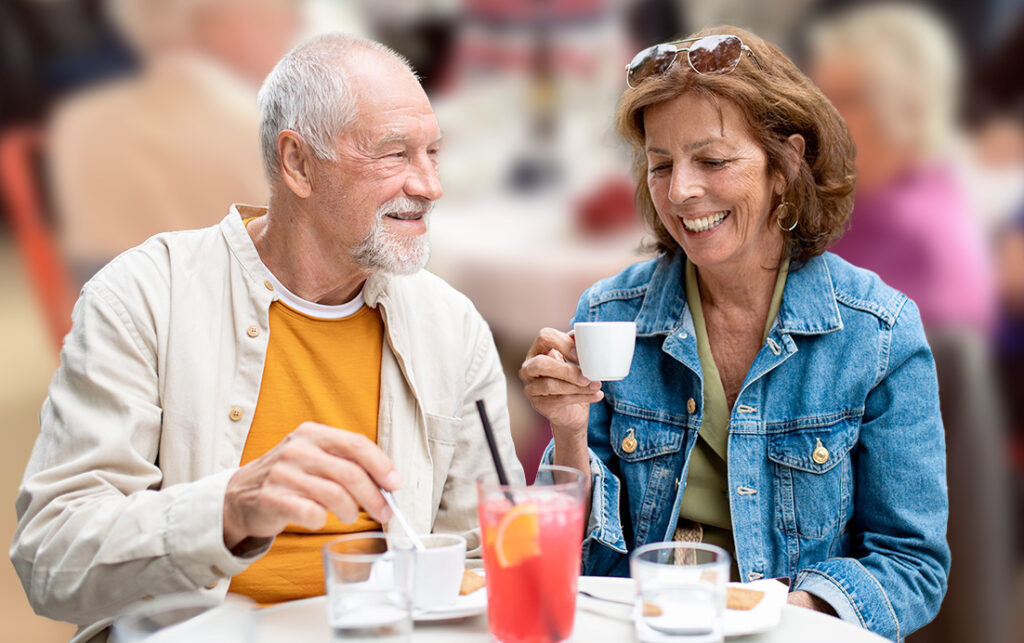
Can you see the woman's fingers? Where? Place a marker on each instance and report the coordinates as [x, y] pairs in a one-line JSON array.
[[552, 365], [548, 386], [550, 338]]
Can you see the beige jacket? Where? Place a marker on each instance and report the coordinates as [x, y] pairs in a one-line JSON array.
[[148, 413]]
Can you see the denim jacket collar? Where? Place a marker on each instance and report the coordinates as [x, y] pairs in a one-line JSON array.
[[809, 305]]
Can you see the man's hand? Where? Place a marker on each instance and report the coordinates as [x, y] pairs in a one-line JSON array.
[[315, 470]]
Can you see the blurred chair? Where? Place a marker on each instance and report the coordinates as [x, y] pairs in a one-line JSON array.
[[20, 150], [980, 533]]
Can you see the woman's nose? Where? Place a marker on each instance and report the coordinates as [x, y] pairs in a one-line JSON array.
[[685, 184]]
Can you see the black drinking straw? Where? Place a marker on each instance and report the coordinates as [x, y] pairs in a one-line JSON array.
[[489, 432], [552, 628]]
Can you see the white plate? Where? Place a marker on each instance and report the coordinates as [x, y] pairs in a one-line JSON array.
[[765, 616], [463, 607]]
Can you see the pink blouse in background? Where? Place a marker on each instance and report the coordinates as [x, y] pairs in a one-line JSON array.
[[920, 236]]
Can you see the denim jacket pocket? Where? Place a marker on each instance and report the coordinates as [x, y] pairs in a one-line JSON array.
[[647, 445], [814, 473], [637, 434]]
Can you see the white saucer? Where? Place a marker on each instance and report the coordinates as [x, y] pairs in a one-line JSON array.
[[463, 607]]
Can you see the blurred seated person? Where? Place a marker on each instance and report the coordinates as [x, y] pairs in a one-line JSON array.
[[893, 74], [229, 399], [171, 146], [775, 389]]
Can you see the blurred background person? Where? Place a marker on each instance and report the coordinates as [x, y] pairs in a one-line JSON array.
[[167, 147], [893, 72]]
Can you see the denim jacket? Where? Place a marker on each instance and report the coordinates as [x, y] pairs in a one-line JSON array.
[[862, 523]]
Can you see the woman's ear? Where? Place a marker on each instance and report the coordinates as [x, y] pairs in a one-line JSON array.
[[293, 163], [794, 148]]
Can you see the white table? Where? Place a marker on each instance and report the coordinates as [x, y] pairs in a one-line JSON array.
[[306, 621]]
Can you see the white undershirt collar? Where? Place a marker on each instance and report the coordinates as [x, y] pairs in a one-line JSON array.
[[314, 309]]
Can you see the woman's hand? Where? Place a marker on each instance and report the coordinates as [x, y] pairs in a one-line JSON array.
[[557, 389], [556, 386], [810, 601]]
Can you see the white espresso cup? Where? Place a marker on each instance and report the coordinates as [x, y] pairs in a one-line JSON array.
[[437, 573], [605, 349]]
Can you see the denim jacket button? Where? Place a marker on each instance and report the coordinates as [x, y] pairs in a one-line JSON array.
[[820, 453], [691, 405], [629, 443]]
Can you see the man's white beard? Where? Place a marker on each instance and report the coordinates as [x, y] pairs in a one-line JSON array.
[[382, 250]]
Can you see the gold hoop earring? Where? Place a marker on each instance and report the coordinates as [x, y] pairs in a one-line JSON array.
[[779, 209]]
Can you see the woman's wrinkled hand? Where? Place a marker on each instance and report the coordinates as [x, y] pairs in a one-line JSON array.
[[556, 386]]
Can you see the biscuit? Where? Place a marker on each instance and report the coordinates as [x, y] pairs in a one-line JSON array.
[[471, 582], [741, 598], [650, 609]]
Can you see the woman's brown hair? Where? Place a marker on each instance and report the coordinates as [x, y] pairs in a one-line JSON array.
[[777, 101]]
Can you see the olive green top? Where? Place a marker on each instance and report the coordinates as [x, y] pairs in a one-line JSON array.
[[706, 496]]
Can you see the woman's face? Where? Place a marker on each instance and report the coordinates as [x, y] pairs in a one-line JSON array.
[[710, 184]]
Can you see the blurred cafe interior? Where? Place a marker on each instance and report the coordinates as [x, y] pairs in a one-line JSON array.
[[123, 118]]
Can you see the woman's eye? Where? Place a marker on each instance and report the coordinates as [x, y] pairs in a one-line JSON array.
[[715, 163], [659, 168]]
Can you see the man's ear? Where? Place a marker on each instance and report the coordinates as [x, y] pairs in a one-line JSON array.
[[293, 163]]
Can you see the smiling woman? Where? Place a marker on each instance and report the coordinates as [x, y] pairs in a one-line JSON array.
[[772, 383]]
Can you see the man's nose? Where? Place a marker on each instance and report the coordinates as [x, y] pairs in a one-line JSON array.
[[423, 180]]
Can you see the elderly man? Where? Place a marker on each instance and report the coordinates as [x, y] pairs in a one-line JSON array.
[[231, 398]]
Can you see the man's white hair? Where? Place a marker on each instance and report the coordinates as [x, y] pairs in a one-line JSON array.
[[913, 64], [309, 93]]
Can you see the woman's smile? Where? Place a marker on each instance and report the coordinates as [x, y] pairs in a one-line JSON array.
[[705, 223]]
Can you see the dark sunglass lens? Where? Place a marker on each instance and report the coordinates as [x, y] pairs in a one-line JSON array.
[[651, 61], [715, 54]]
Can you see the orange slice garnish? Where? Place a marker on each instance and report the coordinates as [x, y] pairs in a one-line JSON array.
[[518, 535]]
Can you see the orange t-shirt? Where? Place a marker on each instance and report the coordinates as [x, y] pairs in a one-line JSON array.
[[320, 370]]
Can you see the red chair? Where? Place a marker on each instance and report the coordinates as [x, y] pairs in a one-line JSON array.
[[20, 151]]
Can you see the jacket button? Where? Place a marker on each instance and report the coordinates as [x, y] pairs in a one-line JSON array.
[[253, 331], [629, 443], [235, 414], [691, 405], [267, 284], [820, 453]]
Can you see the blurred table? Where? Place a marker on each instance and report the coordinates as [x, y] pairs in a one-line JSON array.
[[306, 621], [522, 262]]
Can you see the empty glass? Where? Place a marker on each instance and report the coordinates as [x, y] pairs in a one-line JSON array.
[[680, 592], [369, 587], [194, 617]]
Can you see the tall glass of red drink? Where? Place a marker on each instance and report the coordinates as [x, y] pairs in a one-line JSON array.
[[531, 544]]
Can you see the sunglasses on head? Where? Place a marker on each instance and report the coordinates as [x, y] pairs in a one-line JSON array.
[[707, 55]]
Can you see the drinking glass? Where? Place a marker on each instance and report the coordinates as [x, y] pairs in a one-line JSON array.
[[531, 545], [369, 587], [194, 616], [680, 592]]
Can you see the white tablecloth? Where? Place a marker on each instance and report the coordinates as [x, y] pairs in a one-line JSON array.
[[306, 621]]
